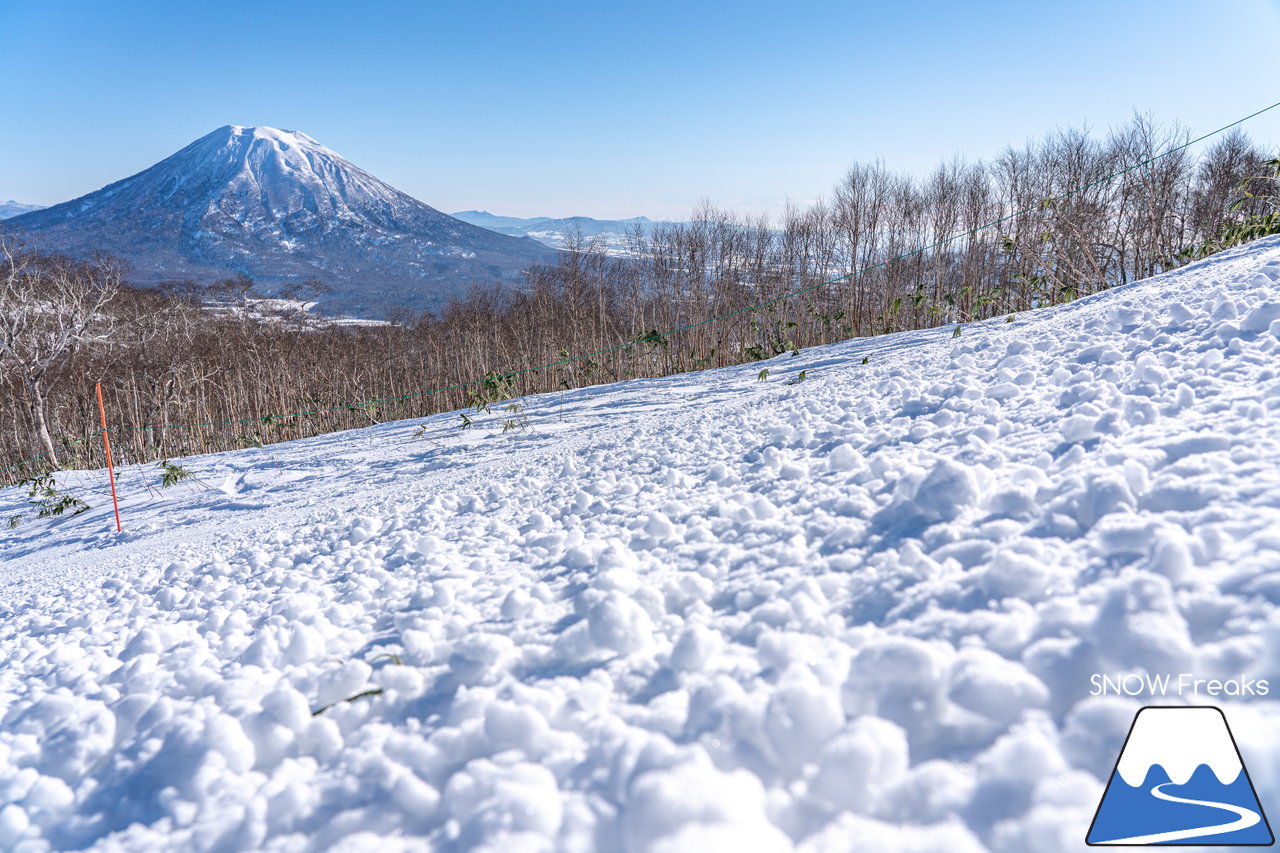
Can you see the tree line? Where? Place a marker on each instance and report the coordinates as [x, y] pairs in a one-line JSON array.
[[189, 369]]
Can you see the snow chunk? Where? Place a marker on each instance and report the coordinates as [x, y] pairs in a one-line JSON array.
[[860, 764], [1260, 318], [994, 687], [945, 492], [619, 624], [799, 719], [693, 804]]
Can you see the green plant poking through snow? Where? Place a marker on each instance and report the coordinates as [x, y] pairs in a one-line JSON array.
[[493, 389], [50, 501], [1264, 189], [171, 473]]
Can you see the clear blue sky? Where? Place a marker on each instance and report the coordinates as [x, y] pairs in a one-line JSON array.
[[606, 108]]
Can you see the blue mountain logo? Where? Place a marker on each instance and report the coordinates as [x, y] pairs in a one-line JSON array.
[[1180, 781]]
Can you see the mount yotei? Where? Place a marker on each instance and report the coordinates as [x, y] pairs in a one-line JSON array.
[[280, 207]]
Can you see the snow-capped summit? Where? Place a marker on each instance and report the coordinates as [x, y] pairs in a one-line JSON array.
[[615, 235], [279, 206], [13, 208], [1179, 740], [262, 131]]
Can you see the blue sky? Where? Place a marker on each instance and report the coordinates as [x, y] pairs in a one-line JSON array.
[[609, 109]]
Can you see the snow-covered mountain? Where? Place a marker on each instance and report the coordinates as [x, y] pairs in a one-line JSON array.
[[11, 208], [1179, 742], [614, 234], [1180, 780], [704, 612], [281, 207]]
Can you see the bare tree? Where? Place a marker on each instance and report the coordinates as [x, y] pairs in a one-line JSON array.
[[195, 369], [50, 306]]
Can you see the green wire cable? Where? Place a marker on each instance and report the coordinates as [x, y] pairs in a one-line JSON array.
[[24, 462]]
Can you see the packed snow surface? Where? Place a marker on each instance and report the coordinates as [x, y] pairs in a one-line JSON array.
[[699, 613]]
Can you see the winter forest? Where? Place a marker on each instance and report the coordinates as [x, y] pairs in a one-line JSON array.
[[191, 369], [819, 428]]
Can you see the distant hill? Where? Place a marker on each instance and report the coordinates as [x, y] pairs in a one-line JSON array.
[[280, 207], [13, 208], [557, 232]]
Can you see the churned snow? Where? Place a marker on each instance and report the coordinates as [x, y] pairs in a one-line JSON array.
[[698, 613]]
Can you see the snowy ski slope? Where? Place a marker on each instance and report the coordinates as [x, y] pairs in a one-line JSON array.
[[700, 613]]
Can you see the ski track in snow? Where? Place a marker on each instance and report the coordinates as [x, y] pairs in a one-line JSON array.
[[694, 613], [1245, 818]]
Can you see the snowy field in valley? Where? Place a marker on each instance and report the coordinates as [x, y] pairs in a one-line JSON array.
[[700, 613]]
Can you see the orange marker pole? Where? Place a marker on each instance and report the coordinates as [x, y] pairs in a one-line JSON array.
[[106, 442]]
